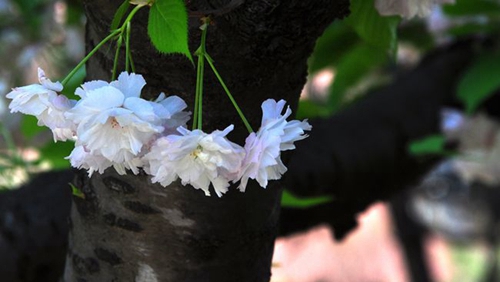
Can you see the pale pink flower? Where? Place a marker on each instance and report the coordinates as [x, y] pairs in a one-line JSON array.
[[197, 158], [262, 161], [81, 158], [43, 101], [34, 99]]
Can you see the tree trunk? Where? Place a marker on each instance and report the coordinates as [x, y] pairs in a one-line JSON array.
[[127, 229]]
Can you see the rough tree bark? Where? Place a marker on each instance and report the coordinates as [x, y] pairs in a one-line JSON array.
[[127, 229]]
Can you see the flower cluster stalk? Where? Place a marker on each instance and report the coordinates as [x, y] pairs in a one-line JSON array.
[[90, 54], [117, 56], [221, 81], [202, 56], [152, 136], [200, 71], [124, 30], [129, 62]]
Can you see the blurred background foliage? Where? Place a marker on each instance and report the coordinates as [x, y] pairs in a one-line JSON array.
[[35, 33], [355, 56], [365, 51]]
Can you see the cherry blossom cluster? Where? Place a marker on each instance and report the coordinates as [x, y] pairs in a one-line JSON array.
[[112, 126]]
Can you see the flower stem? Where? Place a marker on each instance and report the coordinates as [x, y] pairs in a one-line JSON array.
[[130, 16], [240, 113], [128, 56], [117, 55], [198, 104], [200, 71], [112, 35], [127, 47], [90, 54]]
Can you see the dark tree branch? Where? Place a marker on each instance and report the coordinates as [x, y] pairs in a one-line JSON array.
[[34, 229], [361, 155]]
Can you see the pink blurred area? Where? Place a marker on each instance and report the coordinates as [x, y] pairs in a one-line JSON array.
[[369, 253]]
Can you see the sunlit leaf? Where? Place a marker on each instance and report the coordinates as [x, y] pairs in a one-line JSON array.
[[480, 81], [76, 191], [168, 27], [288, 200], [433, 144]]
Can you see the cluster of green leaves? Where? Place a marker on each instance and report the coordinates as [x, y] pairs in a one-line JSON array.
[[363, 43], [366, 43], [482, 79]]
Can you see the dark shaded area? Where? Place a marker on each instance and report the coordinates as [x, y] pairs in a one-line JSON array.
[[34, 228], [361, 154], [411, 235]]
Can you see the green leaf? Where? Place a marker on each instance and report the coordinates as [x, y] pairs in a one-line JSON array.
[[76, 192], [480, 81], [433, 144], [30, 128], [311, 109], [117, 18], [75, 82], [55, 153], [417, 34], [337, 39], [288, 200], [351, 68], [472, 7], [375, 29], [168, 27], [473, 29]]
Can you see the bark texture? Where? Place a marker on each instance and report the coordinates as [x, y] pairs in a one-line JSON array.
[[127, 229]]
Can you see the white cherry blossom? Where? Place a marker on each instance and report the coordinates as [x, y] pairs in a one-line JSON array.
[[115, 123], [34, 99], [262, 161], [197, 158], [81, 158], [43, 101]]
